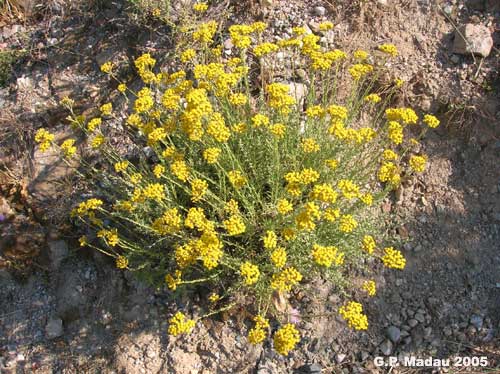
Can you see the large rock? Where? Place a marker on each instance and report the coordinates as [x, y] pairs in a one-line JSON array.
[[473, 39]]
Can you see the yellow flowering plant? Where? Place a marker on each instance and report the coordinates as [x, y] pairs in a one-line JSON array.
[[243, 190]]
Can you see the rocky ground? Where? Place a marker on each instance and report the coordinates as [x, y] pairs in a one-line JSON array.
[[73, 312]]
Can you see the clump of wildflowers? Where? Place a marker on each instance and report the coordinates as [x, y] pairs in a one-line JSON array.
[[245, 188]]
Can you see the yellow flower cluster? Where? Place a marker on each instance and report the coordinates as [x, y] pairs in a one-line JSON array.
[[284, 206], [188, 55], [260, 120], [111, 236], [180, 324], [106, 109], [286, 279], [200, 7], [373, 98], [389, 49], [121, 262], [259, 331], [327, 255], [315, 111], [297, 180], [234, 225], [237, 179], [264, 49], [68, 147], [285, 339], [431, 121], [173, 280], [395, 132], [218, 129], [87, 207], [309, 145], [205, 32], [198, 189], [405, 115], [107, 67], [307, 217], [279, 97], [393, 258], [352, 312], [389, 155], [153, 191], [44, 138], [238, 99], [121, 166], [331, 214], [388, 172], [370, 287], [324, 193], [369, 244], [240, 34], [144, 65], [358, 71], [348, 188], [211, 154], [360, 55], [180, 169], [169, 223], [347, 223], [270, 240], [278, 257], [417, 163], [325, 26], [250, 273]]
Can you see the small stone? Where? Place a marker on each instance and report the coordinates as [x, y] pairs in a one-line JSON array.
[[455, 59], [319, 11], [54, 328], [228, 44], [364, 355], [412, 323], [314, 26], [473, 39], [394, 334], [407, 246], [301, 73], [24, 83], [420, 317], [382, 2], [310, 369], [477, 321], [386, 348], [447, 331], [427, 332], [340, 357]]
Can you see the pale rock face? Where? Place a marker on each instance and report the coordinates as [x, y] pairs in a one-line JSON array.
[[473, 39]]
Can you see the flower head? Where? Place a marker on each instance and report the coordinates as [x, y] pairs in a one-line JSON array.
[[285, 339]]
